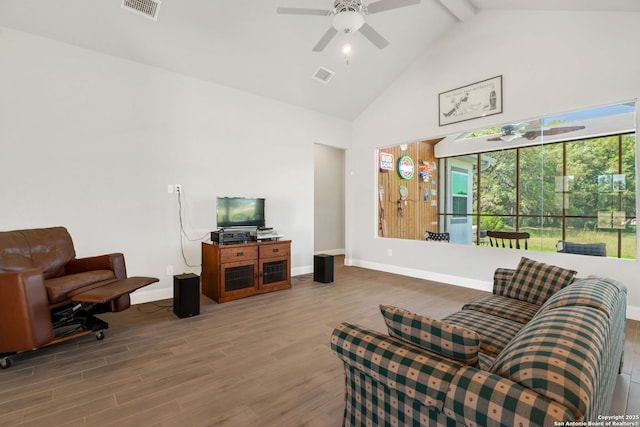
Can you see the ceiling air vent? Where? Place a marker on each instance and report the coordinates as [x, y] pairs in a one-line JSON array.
[[148, 8], [323, 75]]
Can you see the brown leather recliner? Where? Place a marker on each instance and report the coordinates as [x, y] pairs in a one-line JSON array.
[[47, 295]]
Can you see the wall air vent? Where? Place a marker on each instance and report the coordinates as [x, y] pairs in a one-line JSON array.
[[323, 75], [148, 8]]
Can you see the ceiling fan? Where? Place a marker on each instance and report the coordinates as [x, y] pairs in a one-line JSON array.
[[520, 130], [348, 17]]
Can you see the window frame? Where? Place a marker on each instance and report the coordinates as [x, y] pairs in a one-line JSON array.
[[446, 211]]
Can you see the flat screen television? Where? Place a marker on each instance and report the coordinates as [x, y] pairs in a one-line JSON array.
[[240, 212]]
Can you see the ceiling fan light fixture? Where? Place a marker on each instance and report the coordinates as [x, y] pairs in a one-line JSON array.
[[346, 50], [348, 22]]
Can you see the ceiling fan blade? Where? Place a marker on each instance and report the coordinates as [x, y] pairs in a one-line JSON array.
[[533, 134], [373, 36], [302, 11], [382, 5], [563, 129], [324, 41]]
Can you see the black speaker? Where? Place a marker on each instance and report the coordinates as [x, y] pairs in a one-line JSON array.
[[323, 268], [186, 295]]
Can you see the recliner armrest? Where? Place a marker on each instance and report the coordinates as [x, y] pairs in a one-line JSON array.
[[113, 262], [25, 319]]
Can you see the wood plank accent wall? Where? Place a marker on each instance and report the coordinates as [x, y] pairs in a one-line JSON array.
[[411, 218]]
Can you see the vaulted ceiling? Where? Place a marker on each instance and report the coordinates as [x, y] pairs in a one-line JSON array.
[[245, 44]]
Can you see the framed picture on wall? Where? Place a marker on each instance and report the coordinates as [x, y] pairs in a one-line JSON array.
[[479, 99]]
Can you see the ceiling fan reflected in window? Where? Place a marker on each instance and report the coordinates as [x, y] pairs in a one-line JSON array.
[[526, 130], [349, 17]]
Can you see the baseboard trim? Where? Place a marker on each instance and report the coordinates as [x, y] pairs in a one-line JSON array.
[[426, 275], [633, 312], [142, 296], [299, 271]]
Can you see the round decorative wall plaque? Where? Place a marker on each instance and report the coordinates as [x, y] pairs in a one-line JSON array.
[[405, 167]]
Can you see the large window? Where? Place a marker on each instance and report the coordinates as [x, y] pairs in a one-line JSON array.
[[577, 190], [567, 180]]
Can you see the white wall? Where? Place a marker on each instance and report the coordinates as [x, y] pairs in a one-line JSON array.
[[90, 142], [550, 63], [329, 225]]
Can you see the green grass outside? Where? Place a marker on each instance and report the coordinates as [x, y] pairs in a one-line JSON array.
[[546, 239]]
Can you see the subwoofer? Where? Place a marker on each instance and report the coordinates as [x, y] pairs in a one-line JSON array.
[[186, 295], [323, 268]]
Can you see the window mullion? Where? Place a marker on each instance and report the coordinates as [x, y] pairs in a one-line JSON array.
[[517, 189]]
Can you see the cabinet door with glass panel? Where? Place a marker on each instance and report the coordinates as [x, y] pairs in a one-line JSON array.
[[274, 265]]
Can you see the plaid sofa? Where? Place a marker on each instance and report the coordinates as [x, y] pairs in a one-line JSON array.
[[543, 348]]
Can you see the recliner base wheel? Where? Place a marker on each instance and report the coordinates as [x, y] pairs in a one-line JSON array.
[[6, 362]]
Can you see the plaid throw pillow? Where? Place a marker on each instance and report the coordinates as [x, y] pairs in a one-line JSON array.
[[535, 281], [451, 341]]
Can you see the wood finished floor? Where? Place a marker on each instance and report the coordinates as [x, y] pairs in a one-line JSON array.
[[259, 361]]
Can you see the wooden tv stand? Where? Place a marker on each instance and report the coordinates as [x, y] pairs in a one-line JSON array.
[[240, 270]]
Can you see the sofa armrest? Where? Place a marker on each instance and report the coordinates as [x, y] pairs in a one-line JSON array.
[[25, 319], [501, 279], [400, 366], [480, 398], [113, 262]]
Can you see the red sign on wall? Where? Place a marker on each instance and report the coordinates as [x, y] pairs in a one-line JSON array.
[[386, 161]]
